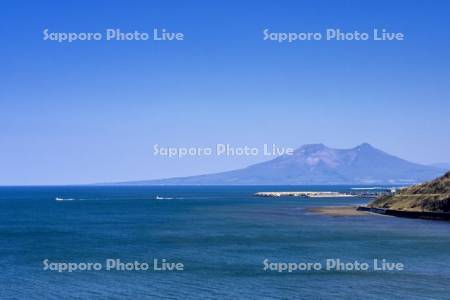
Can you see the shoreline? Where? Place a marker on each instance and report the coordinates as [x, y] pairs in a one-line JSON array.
[[338, 211], [426, 215], [351, 211]]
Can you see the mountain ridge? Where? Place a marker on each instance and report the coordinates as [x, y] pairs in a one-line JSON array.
[[316, 164], [441, 165]]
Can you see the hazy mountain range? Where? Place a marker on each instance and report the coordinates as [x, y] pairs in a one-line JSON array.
[[443, 166], [317, 164]]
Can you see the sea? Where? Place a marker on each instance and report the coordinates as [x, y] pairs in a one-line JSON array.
[[215, 242]]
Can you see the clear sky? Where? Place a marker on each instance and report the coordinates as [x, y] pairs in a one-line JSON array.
[[86, 112]]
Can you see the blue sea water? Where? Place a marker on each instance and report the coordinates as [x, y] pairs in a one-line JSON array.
[[221, 235]]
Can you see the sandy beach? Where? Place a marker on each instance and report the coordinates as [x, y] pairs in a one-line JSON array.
[[338, 211]]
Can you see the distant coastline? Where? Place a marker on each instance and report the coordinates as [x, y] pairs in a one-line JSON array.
[[429, 200], [303, 194]]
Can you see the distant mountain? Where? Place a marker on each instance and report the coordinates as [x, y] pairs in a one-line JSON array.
[[433, 196], [317, 164], [443, 166]]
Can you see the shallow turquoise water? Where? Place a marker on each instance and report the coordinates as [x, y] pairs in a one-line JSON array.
[[220, 234]]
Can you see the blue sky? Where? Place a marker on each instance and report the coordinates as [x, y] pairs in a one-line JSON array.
[[91, 111]]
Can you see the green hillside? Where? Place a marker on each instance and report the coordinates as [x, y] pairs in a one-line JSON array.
[[432, 196]]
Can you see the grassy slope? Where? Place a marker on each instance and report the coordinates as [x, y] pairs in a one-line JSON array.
[[431, 196]]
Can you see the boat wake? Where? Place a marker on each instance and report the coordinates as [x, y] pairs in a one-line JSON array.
[[71, 199], [167, 198], [64, 199]]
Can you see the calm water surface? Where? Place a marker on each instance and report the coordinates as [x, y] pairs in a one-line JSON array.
[[220, 234]]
